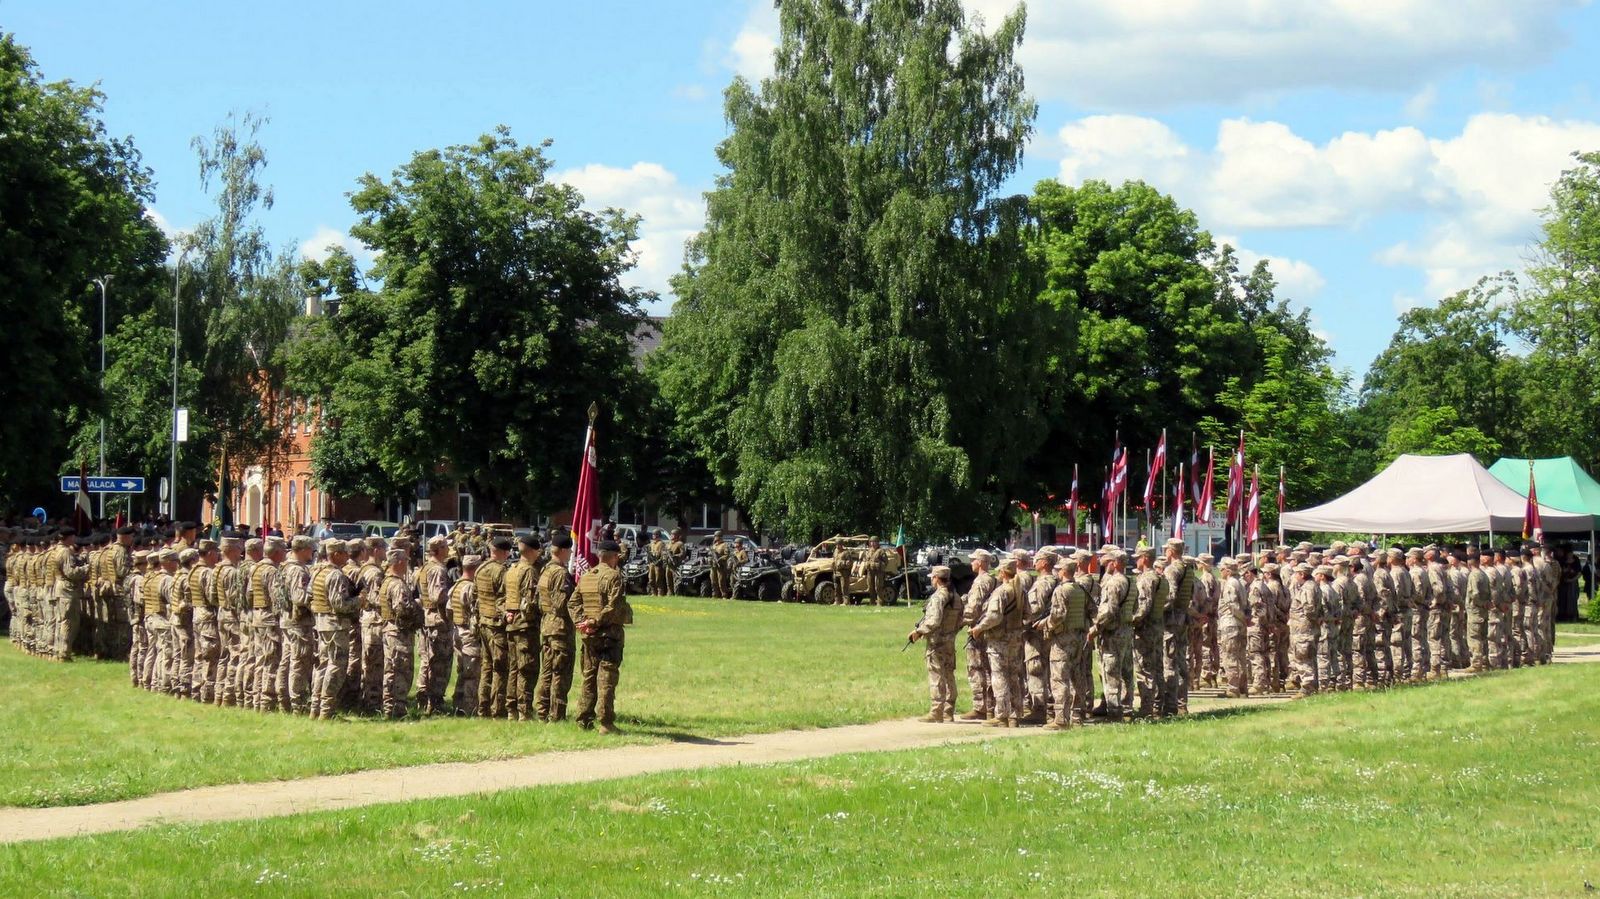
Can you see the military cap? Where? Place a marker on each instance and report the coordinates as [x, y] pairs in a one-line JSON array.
[[395, 555], [502, 543], [1082, 555], [1303, 546], [1414, 552], [1068, 565], [1205, 558], [982, 554], [1106, 547], [471, 560], [302, 542], [189, 555], [1148, 552], [940, 571], [1338, 546], [1227, 562], [1359, 546], [1323, 570], [374, 542], [530, 541], [233, 543], [562, 540], [139, 555], [1341, 561], [1048, 556], [438, 540], [276, 543], [609, 546], [254, 543], [334, 545], [206, 545], [1269, 568], [127, 529], [1176, 542], [1009, 565], [167, 555], [398, 542], [1114, 555], [1021, 555]]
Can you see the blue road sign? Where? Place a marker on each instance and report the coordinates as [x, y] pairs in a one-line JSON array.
[[109, 484]]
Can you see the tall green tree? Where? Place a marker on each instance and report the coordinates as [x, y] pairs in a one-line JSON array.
[[1559, 320], [1146, 339], [494, 317], [1454, 355], [841, 353], [72, 208]]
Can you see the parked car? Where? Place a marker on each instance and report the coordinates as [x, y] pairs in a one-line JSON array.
[[813, 578], [344, 530], [427, 528], [373, 528]]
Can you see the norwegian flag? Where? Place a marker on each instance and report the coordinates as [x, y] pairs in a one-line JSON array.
[[1532, 528], [1236, 481], [1253, 512], [1208, 498], [1158, 462], [586, 507], [1177, 521], [1072, 506]]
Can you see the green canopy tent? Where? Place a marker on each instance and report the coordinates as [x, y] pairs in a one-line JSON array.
[[1561, 482]]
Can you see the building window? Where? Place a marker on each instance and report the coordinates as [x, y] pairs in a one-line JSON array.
[[466, 510]]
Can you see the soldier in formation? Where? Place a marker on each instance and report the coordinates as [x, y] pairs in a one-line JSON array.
[[302, 627]]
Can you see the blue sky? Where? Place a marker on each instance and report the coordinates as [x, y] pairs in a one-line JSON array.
[[1379, 154]]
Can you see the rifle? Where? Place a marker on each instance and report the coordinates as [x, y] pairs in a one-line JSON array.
[[910, 641]]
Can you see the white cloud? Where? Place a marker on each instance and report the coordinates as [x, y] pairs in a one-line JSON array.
[[750, 53], [1156, 54], [320, 245], [1298, 280], [1479, 191], [670, 213], [1422, 102]]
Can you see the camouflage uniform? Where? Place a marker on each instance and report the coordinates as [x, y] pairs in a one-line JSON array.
[[658, 569], [1180, 577], [1149, 628], [1113, 624], [335, 608], [1234, 631], [1035, 653], [556, 642], [207, 628], [490, 588], [873, 563], [1260, 614], [1064, 631], [1305, 623], [299, 637], [941, 619], [522, 626], [402, 615], [599, 602], [1001, 627], [267, 598], [180, 618], [436, 640], [368, 651], [1500, 615], [157, 600], [1203, 646], [1439, 611], [983, 700], [1460, 654], [469, 653], [67, 574]]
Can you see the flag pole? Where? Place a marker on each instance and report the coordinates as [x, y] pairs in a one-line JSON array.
[[1165, 512], [1282, 501]]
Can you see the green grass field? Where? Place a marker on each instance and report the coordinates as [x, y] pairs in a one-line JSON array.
[[1484, 787], [79, 733]]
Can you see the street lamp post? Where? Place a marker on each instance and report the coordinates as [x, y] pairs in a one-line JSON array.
[[105, 284], [172, 472]]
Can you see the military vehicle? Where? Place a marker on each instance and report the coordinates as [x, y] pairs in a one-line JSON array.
[[763, 577], [813, 579]]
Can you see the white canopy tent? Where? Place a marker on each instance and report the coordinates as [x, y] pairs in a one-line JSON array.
[[1431, 495]]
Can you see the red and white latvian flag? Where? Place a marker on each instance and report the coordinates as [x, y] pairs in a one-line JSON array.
[[1208, 495], [1119, 472], [1236, 482], [586, 508], [1531, 527], [1253, 510], [1157, 463]]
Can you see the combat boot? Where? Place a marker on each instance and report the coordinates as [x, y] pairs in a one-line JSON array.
[[995, 722], [932, 718], [607, 729], [973, 715]]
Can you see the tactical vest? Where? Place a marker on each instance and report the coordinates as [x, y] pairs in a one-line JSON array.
[[319, 590], [385, 610], [1163, 594], [484, 583], [1184, 594], [259, 598], [1129, 604], [589, 594], [225, 584], [152, 594], [199, 596], [52, 565], [951, 622], [1074, 607], [458, 602], [180, 590], [1014, 608], [519, 583], [551, 582]]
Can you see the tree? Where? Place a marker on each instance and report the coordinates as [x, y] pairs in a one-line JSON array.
[[840, 353], [1437, 431], [1451, 356], [1147, 338], [72, 208], [1559, 319], [497, 318]]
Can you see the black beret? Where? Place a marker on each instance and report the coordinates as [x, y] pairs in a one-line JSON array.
[[530, 541], [67, 532], [127, 529], [187, 526], [561, 541], [502, 543], [609, 546]]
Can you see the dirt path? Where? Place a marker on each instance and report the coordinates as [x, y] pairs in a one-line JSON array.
[[236, 802]]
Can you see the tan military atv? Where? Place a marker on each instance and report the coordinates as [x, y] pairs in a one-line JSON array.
[[814, 581]]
